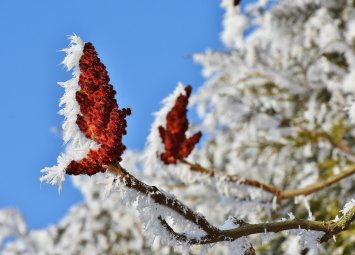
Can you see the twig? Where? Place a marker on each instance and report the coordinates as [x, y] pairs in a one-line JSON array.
[[288, 194], [233, 178], [280, 194], [342, 146]]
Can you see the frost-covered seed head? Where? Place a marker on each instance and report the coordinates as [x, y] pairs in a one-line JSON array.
[[176, 144], [93, 123], [100, 120]]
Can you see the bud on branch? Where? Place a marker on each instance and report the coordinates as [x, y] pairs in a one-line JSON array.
[[176, 144], [94, 124], [100, 120]]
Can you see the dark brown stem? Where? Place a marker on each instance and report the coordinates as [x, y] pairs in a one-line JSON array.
[[163, 199]]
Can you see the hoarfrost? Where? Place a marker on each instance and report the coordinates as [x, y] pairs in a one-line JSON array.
[[77, 145], [310, 240], [348, 206], [239, 246]]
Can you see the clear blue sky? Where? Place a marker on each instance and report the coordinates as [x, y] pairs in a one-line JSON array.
[[146, 46]]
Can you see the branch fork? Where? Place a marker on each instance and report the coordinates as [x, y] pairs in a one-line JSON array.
[[214, 234]]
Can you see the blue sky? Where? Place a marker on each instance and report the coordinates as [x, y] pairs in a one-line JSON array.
[[147, 48]]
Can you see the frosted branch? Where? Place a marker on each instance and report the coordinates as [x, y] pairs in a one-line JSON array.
[[280, 194], [214, 234]]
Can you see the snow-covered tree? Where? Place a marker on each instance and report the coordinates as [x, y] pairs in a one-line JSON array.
[[273, 170]]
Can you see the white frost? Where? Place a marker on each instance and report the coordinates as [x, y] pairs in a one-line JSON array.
[[77, 145], [348, 206], [310, 240]]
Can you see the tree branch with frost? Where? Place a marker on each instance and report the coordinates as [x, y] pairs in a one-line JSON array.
[[330, 229], [317, 186], [214, 234], [280, 194], [195, 167], [163, 199]]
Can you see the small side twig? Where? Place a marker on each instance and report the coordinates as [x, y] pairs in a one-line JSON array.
[[233, 178], [279, 194], [289, 194]]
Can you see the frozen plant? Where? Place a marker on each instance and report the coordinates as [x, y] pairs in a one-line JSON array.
[[277, 141]]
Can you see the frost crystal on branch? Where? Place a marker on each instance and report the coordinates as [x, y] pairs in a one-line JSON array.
[[93, 125], [348, 206], [176, 144]]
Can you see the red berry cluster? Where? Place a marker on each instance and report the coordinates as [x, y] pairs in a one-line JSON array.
[[176, 144], [100, 120]]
